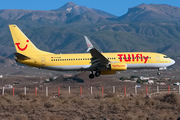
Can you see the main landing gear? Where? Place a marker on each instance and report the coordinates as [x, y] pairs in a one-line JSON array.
[[91, 76], [97, 74]]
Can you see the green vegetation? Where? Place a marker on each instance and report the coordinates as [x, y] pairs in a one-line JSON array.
[[123, 78], [141, 81], [133, 76]]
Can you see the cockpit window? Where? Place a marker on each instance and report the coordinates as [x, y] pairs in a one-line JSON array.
[[166, 57]]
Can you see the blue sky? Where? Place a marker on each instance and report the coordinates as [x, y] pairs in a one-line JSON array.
[[116, 7]]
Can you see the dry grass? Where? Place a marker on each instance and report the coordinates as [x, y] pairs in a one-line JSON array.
[[110, 106]]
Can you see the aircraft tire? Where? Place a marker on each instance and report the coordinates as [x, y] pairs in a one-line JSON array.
[[158, 73], [91, 76], [97, 74]]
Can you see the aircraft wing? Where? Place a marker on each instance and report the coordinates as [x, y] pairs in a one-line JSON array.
[[98, 60]]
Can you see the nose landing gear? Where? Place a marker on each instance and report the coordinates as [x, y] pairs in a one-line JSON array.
[[158, 73]]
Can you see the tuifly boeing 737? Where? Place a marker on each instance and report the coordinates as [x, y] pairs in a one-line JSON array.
[[96, 62]]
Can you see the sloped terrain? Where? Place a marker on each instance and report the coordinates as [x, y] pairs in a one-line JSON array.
[[61, 30], [152, 13]]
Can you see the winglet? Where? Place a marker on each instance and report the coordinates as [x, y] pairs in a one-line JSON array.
[[89, 44]]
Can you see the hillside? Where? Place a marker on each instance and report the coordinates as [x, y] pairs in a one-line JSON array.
[[152, 13], [153, 28]]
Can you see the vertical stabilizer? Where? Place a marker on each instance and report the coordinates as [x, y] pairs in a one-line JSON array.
[[22, 44]]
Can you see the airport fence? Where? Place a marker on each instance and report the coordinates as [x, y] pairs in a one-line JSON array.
[[90, 90]]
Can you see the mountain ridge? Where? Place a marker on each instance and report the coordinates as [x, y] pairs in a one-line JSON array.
[[63, 14], [152, 13], [62, 31]]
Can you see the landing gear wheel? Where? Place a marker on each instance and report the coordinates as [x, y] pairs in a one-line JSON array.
[[97, 74], [91, 76], [158, 73]]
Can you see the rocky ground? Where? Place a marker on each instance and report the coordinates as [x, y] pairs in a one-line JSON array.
[[72, 107], [106, 106]]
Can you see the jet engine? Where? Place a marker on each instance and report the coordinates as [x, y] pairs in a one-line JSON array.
[[118, 66]]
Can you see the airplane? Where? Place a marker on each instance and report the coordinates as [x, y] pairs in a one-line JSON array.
[[95, 62]]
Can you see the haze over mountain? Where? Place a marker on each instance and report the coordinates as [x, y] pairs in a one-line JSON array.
[[152, 28]]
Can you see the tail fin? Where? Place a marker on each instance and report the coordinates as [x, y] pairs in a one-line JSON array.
[[22, 44]]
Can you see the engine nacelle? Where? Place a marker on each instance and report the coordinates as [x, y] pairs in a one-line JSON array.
[[118, 66]]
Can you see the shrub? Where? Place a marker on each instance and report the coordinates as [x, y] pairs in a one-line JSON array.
[[170, 98]]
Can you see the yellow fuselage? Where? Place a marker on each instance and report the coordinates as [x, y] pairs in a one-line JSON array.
[[138, 59]]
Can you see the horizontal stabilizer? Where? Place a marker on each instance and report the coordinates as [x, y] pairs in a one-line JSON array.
[[21, 56]]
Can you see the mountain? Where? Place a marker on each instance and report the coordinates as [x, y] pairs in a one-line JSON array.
[[71, 7], [152, 13], [144, 28], [68, 13]]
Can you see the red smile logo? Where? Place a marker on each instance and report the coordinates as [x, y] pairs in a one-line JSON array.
[[21, 49]]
